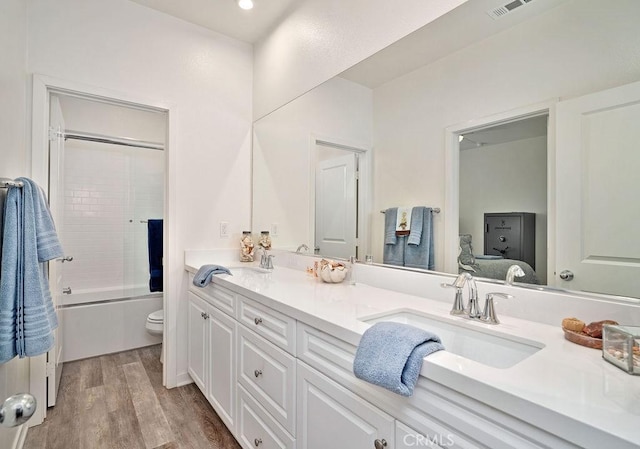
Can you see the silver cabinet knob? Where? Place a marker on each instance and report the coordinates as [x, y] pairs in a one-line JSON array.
[[566, 275], [17, 409], [257, 320], [379, 444], [257, 442], [66, 290], [257, 373]]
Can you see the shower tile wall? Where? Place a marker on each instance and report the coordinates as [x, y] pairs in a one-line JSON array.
[[108, 190]]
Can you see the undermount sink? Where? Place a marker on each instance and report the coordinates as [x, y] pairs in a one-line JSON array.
[[462, 338]]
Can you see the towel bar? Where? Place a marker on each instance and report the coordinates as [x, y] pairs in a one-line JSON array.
[[436, 210]]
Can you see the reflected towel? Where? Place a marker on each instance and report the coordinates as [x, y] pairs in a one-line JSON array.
[[421, 255], [390, 218], [206, 272], [154, 238], [417, 215], [390, 355]]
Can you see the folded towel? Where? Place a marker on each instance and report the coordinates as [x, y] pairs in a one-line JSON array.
[[390, 355], [422, 254], [206, 272], [154, 241], [390, 217], [417, 214]]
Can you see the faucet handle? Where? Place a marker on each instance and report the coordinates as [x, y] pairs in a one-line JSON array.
[[489, 315], [458, 303]]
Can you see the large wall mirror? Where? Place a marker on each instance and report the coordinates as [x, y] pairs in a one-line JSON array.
[[506, 125]]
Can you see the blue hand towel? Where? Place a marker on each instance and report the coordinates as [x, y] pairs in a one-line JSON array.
[[390, 217], [422, 254], [27, 316], [390, 355], [415, 234], [206, 272], [154, 240]]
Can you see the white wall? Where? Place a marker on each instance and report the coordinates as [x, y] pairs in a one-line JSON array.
[[205, 77], [338, 111], [508, 177], [14, 375], [577, 48], [322, 38]]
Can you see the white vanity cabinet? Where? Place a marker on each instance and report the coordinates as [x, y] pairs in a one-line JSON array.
[[331, 416], [212, 356]]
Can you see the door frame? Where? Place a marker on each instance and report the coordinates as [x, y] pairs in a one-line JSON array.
[[364, 186], [452, 173], [43, 86]]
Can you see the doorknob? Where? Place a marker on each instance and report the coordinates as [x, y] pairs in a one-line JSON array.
[[566, 275], [17, 409], [66, 291]]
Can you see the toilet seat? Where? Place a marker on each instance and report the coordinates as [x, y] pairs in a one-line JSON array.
[[155, 322]]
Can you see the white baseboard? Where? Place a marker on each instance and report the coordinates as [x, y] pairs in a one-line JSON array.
[[18, 442], [183, 379]]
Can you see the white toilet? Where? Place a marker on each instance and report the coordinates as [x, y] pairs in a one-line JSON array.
[[155, 323]]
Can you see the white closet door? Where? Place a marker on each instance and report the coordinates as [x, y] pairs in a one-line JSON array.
[[598, 189], [336, 206]]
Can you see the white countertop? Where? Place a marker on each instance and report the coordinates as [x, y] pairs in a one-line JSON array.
[[561, 388]]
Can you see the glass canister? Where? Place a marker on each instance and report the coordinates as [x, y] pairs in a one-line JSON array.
[[621, 347], [265, 240], [246, 247]]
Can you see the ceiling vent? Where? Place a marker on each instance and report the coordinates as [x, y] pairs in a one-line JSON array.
[[501, 11]]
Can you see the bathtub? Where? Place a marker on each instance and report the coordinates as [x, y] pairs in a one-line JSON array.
[[103, 321]]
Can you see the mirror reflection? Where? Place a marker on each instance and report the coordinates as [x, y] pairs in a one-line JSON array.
[[393, 115]]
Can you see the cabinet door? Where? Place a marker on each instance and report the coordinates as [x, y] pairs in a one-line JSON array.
[[197, 344], [222, 370], [330, 416]]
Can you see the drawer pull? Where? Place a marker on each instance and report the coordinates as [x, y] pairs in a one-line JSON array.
[[257, 373], [257, 320], [257, 441], [379, 444]]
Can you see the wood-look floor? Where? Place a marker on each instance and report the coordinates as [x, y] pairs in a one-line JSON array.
[[117, 401]]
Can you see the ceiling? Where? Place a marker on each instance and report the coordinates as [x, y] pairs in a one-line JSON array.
[[224, 16], [507, 132], [463, 26]]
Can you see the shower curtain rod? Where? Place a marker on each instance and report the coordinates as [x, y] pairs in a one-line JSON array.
[[125, 141]]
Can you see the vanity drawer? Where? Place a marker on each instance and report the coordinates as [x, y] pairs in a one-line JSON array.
[[330, 355], [257, 429], [276, 327], [269, 374], [220, 297]]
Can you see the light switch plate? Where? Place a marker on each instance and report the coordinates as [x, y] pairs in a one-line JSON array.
[[224, 229]]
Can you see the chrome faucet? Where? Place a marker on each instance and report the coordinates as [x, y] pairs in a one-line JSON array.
[[513, 272], [266, 260], [303, 246], [489, 315], [472, 309]]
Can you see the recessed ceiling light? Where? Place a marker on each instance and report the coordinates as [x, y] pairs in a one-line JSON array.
[[245, 4]]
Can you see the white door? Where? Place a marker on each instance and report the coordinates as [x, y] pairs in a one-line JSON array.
[[56, 203], [197, 326], [597, 167], [222, 366], [336, 207], [330, 416]]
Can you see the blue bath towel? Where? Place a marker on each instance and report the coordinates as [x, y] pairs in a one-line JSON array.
[[421, 255], [417, 219], [27, 316], [390, 355], [206, 272], [393, 253], [154, 240]]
